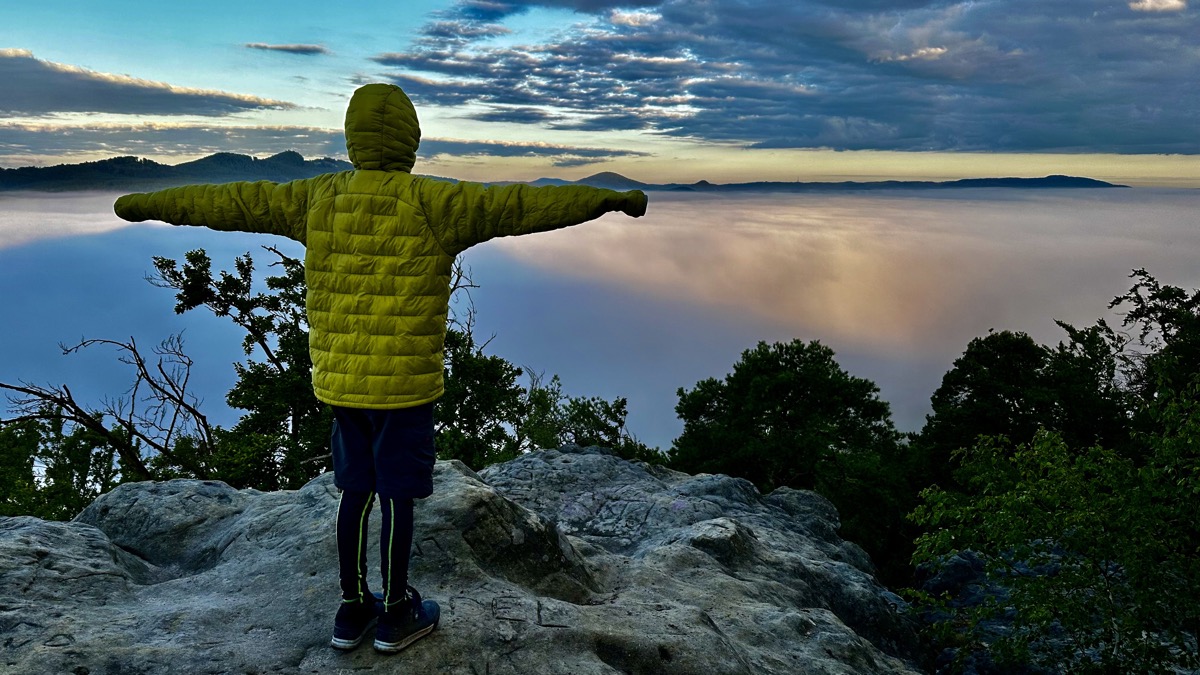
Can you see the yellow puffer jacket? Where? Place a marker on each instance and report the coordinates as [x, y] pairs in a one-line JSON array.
[[380, 244]]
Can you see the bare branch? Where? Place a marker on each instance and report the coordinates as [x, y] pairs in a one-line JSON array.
[[315, 459], [460, 286], [284, 258], [163, 389]]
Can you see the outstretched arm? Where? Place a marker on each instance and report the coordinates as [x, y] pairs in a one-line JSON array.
[[465, 214], [262, 207]]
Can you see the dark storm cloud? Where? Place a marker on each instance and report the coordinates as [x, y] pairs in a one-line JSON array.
[[33, 87], [517, 115], [303, 50], [491, 10], [483, 10], [1012, 75]]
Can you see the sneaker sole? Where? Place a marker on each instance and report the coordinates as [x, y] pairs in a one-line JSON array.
[[393, 647], [346, 645]]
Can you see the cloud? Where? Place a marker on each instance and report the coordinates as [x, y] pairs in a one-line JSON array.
[[517, 115], [491, 10], [634, 19], [26, 141], [463, 30], [561, 155], [916, 75], [35, 87], [486, 10], [165, 140], [1158, 5], [928, 53], [304, 50]]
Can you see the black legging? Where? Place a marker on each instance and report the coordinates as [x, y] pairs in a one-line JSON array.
[[395, 543]]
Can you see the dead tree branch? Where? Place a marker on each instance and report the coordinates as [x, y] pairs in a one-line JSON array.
[[153, 413]]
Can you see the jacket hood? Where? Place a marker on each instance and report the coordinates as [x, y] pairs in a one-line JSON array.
[[382, 133]]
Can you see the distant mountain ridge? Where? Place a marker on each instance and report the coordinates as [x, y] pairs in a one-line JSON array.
[[137, 173], [130, 173], [616, 181]]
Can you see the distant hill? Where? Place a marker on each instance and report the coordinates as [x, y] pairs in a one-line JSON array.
[[132, 173], [129, 173], [618, 182], [614, 181]]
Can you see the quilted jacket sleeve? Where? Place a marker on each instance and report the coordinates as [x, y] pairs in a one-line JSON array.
[[261, 207], [464, 214]]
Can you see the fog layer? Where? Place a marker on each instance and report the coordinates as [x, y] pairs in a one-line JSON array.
[[896, 284]]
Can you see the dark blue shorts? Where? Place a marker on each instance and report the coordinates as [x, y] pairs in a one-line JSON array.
[[389, 452]]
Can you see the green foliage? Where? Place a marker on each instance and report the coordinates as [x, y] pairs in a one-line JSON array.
[[483, 401], [554, 419], [1097, 557], [18, 483], [79, 466], [594, 421], [487, 416], [52, 469], [542, 425], [789, 415], [1090, 404]]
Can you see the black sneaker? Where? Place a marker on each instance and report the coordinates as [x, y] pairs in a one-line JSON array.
[[408, 622], [352, 622]]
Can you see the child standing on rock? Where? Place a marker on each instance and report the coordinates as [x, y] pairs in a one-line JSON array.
[[379, 245]]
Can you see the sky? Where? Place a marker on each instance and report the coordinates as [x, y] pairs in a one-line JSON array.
[[658, 90]]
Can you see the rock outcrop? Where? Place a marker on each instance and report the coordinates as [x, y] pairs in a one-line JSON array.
[[562, 561]]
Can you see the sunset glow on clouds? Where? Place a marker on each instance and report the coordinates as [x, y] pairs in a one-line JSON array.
[[884, 272], [649, 85], [1158, 5]]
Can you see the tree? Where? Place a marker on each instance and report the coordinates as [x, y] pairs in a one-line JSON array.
[[283, 439], [996, 388], [487, 416], [553, 419], [788, 415], [591, 420], [483, 402], [79, 465], [1167, 322], [1087, 528], [783, 414], [1090, 402], [1007, 385]]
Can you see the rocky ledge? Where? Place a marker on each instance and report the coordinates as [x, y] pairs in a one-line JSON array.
[[561, 561]]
